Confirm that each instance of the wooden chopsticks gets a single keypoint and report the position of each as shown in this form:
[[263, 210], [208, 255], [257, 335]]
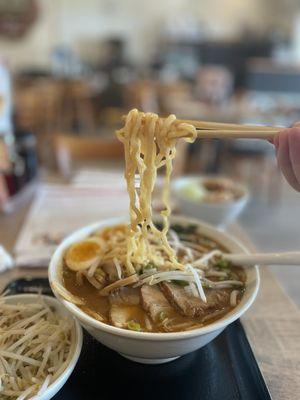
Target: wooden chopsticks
[[235, 134], [217, 130]]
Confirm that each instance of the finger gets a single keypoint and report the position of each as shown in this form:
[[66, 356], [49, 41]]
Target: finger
[[284, 160], [294, 149], [276, 137], [275, 140]]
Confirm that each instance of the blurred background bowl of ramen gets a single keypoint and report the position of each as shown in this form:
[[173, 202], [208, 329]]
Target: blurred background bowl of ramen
[[216, 200]]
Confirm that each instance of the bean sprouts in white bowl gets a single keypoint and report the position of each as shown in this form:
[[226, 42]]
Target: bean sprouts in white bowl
[[40, 343]]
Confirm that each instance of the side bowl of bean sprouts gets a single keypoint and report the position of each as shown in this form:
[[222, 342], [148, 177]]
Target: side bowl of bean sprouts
[[40, 345], [154, 347]]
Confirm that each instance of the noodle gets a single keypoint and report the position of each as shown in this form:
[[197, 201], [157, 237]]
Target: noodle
[[149, 144]]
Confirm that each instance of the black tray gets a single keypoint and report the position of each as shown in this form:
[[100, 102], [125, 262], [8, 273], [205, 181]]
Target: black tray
[[225, 369]]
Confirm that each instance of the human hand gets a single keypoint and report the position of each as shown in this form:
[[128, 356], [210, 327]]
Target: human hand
[[287, 144]]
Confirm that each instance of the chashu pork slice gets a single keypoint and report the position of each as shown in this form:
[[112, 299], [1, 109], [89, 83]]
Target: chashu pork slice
[[121, 315], [125, 296], [154, 302], [124, 306], [191, 306]]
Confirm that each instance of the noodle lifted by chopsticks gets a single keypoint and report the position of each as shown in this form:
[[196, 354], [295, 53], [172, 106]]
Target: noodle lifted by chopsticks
[[149, 144]]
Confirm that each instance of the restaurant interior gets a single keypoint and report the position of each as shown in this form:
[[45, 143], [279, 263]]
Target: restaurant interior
[[70, 71]]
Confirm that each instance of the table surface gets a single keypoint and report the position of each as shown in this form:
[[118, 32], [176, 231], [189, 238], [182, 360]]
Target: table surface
[[272, 324]]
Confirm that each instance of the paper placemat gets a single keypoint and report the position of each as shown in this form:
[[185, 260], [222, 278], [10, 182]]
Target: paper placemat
[[60, 209], [95, 177]]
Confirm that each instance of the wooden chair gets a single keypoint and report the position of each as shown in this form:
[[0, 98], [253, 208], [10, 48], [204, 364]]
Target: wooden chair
[[51, 105], [70, 149], [38, 105], [39, 109], [27, 108], [77, 106]]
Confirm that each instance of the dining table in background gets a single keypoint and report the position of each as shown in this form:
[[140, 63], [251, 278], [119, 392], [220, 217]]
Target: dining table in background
[[272, 324]]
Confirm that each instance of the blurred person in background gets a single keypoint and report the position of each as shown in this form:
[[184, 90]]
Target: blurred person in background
[[214, 84]]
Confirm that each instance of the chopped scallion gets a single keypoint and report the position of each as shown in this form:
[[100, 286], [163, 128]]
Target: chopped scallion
[[181, 283], [162, 316], [149, 266], [134, 326], [223, 264]]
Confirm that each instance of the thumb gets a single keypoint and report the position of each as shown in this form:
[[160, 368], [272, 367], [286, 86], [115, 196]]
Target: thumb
[[275, 140]]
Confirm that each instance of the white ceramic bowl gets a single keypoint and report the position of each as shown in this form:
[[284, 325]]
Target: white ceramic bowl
[[217, 214], [61, 380], [154, 348]]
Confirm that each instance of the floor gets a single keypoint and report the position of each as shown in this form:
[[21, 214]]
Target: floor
[[276, 227]]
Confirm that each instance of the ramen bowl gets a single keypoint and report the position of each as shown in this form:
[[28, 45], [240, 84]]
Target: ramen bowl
[[220, 213], [148, 347]]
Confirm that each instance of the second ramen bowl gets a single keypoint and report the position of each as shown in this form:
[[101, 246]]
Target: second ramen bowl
[[155, 348], [219, 214]]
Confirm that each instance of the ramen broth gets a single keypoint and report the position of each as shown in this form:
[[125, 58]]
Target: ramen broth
[[164, 307]]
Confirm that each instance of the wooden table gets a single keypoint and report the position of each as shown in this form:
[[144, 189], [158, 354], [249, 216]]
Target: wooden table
[[272, 324]]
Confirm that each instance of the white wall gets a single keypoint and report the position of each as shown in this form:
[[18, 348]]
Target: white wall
[[77, 22], [34, 48]]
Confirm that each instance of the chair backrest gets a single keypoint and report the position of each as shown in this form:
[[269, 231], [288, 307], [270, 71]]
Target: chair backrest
[[70, 148], [39, 105]]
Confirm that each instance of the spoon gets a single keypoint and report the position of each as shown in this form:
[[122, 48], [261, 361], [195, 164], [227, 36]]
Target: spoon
[[288, 258]]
